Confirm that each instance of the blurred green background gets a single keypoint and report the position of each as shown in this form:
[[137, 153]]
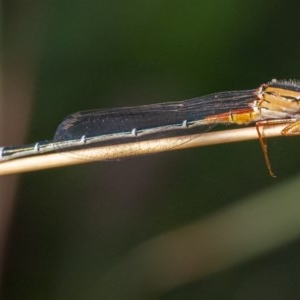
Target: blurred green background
[[73, 226]]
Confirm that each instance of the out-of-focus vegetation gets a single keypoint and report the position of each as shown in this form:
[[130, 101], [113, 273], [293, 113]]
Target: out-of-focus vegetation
[[128, 229]]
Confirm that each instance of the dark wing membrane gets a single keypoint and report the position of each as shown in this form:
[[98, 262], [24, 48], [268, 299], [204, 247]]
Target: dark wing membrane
[[142, 118]]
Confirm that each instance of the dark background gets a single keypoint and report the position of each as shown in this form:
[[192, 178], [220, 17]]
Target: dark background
[[72, 226]]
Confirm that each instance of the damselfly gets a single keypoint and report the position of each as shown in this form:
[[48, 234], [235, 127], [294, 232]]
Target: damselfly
[[277, 102]]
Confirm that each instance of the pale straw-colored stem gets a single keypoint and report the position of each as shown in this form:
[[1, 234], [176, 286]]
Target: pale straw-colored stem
[[55, 160]]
